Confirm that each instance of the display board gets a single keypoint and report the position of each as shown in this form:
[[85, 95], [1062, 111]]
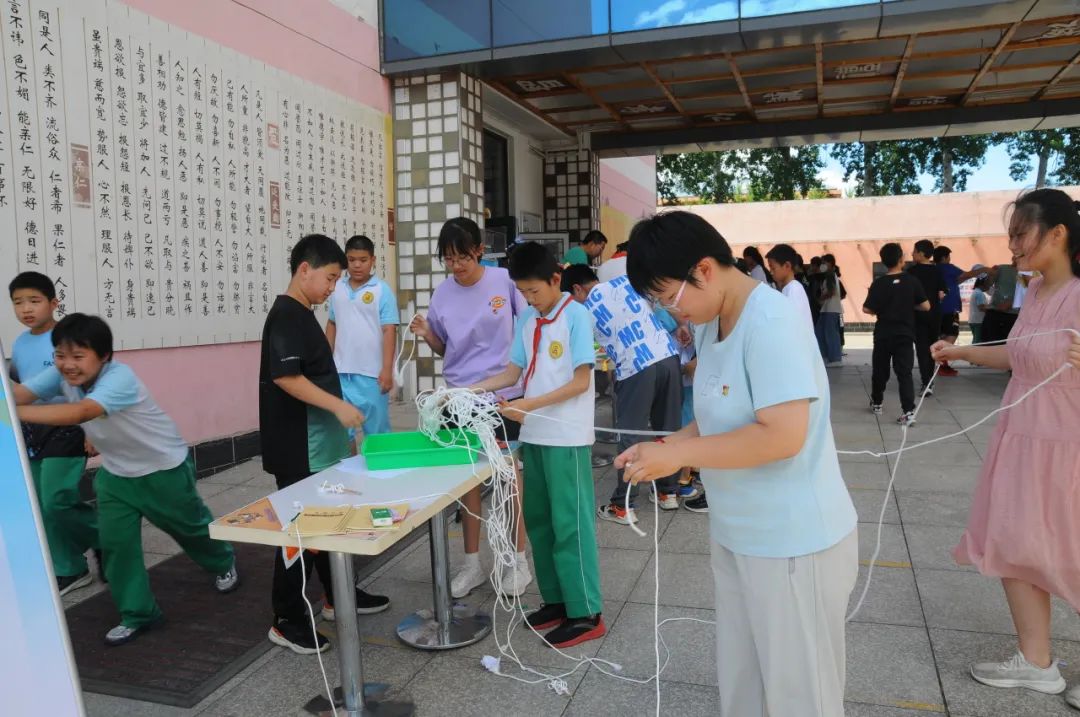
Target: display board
[[161, 179], [38, 668]]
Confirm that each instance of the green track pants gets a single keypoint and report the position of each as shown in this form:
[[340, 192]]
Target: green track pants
[[559, 501], [70, 523], [169, 501]]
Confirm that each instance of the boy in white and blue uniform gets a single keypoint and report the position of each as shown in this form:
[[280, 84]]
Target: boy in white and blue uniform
[[553, 352], [362, 331], [57, 453], [146, 472], [648, 384]]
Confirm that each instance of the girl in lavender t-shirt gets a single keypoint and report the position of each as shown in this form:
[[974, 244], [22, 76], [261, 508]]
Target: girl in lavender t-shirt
[[470, 323]]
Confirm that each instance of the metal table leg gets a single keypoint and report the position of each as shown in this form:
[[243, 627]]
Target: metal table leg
[[352, 693], [450, 625]]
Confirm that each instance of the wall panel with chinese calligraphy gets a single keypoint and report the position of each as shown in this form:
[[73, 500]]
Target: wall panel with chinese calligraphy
[[161, 179]]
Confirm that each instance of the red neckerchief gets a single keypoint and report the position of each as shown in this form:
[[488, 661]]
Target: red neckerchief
[[541, 322], [618, 255]]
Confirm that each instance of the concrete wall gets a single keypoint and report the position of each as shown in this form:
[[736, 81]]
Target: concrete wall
[[970, 223], [627, 194], [212, 391]]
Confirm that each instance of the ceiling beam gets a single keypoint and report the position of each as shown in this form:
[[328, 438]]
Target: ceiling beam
[[502, 90], [663, 88], [742, 85], [819, 69], [1058, 77], [573, 80], [1005, 37], [902, 69]]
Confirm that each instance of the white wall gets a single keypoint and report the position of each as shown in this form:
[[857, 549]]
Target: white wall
[[526, 168]]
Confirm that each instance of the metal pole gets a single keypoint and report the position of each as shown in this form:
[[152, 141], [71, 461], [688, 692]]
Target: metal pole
[[440, 575], [348, 632]]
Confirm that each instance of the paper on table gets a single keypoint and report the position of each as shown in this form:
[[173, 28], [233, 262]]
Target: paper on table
[[356, 465], [320, 521], [360, 518]]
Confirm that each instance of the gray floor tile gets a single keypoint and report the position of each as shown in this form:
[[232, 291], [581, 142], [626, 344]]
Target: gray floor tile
[[692, 645], [893, 551], [615, 535], [206, 489], [955, 651], [620, 570], [233, 498], [891, 599], [599, 694], [453, 684], [931, 546], [861, 709], [959, 600], [236, 475], [891, 666], [957, 453], [109, 706], [155, 540], [869, 475], [934, 477], [686, 533], [686, 580], [933, 507], [868, 504]]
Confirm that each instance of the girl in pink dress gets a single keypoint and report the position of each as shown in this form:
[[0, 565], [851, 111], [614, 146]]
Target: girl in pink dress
[[1023, 527]]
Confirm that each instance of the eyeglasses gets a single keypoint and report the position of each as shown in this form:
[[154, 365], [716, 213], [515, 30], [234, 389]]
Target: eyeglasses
[[674, 305], [457, 259]]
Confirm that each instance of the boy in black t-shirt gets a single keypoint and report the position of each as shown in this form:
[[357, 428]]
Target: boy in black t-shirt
[[928, 325], [303, 423], [894, 299]]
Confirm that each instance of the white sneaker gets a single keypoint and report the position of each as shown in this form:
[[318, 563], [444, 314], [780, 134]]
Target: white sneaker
[[615, 514], [516, 578], [467, 580], [1072, 697], [668, 501], [1018, 672]]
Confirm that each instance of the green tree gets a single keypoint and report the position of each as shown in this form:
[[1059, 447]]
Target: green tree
[[1053, 154], [1068, 169], [784, 172], [951, 160], [712, 177], [880, 168]]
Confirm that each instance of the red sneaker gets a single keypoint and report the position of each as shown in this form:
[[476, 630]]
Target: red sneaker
[[576, 630], [947, 370]]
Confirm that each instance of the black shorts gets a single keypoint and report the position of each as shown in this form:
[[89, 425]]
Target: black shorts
[[950, 325], [54, 441], [506, 431]]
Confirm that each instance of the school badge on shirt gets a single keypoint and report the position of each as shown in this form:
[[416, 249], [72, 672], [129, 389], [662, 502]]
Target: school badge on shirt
[[367, 297], [555, 350], [496, 303]]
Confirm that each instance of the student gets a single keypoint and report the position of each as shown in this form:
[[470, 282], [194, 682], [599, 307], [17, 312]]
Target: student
[[756, 265], [57, 453], [147, 470], [614, 266], [953, 276], [470, 323], [648, 386], [893, 299], [362, 331], [590, 248], [782, 525], [813, 287], [553, 351], [303, 425], [830, 315], [927, 324], [690, 491], [1022, 526], [783, 263], [977, 306]]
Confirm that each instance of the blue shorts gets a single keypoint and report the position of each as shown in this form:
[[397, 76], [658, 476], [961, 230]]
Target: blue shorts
[[364, 393], [687, 405]]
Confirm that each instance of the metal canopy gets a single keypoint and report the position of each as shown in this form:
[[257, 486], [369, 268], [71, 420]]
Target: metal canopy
[[871, 72]]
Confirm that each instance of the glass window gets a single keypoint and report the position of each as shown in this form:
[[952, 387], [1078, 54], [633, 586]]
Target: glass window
[[424, 28], [518, 22], [758, 8], [629, 15], [496, 175]]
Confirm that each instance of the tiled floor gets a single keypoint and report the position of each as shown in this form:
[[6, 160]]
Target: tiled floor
[[923, 621]]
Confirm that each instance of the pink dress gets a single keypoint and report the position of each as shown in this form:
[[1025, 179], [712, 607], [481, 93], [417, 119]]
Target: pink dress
[[1025, 515]]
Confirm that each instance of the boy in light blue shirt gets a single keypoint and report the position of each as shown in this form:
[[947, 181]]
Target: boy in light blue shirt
[[57, 453], [147, 470], [362, 331]]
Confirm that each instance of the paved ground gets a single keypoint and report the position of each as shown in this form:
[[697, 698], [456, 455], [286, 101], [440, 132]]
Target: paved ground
[[925, 618]]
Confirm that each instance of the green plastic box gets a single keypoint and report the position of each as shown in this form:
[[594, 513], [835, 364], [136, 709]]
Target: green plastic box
[[412, 449]]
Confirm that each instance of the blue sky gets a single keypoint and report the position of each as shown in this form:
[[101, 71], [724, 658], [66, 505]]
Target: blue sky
[[994, 175]]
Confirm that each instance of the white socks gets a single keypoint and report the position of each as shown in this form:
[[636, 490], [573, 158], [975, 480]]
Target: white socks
[[472, 560], [521, 558]]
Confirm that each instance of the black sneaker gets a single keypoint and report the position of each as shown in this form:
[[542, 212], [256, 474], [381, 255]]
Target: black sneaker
[[298, 637], [697, 505], [366, 604], [576, 630], [67, 583], [547, 616], [927, 390]]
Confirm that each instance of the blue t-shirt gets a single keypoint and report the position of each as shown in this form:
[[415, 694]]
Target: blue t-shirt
[[31, 354], [790, 507], [951, 303]]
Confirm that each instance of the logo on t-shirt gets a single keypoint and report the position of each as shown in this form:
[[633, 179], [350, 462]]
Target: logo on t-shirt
[[496, 303], [555, 350], [367, 297]]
